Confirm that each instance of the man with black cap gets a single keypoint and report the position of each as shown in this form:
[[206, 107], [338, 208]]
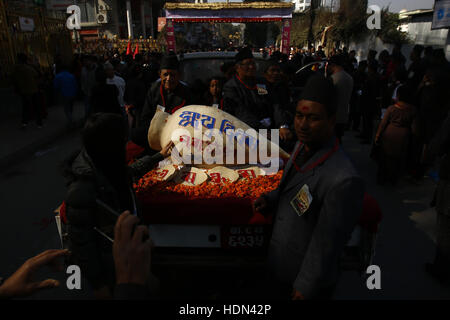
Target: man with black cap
[[247, 98], [316, 205], [169, 95]]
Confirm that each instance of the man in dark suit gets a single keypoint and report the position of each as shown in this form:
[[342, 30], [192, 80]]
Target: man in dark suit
[[316, 205], [247, 97]]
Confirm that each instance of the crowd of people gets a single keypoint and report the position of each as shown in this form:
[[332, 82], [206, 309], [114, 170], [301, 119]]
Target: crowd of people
[[401, 110]]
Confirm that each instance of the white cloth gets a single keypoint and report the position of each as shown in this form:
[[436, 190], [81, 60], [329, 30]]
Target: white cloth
[[120, 84]]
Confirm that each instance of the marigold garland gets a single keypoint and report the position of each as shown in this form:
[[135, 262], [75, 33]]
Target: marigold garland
[[149, 186]]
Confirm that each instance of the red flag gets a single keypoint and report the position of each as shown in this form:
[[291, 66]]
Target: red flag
[[129, 48], [136, 51]]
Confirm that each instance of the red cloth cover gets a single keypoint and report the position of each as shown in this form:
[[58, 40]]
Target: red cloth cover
[[133, 150]]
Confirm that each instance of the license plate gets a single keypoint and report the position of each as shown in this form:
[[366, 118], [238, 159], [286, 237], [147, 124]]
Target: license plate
[[244, 237]]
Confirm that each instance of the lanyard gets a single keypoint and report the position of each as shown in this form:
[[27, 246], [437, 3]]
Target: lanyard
[[249, 88], [164, 100], [316, 163]]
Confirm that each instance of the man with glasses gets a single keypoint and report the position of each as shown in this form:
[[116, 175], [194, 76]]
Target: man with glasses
[[247, 97]]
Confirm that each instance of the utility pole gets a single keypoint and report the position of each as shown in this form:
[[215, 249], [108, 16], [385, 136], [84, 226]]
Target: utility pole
[[129, 20]]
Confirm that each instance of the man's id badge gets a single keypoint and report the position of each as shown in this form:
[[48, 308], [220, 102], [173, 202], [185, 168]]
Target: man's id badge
[[262, 90], [302, 200], [160, 108]]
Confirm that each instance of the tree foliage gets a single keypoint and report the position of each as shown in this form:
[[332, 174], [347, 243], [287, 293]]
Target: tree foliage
[[389, 32], [350, 21], [348, 24]]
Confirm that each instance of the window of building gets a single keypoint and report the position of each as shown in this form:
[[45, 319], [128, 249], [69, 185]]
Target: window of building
[[87, 10]]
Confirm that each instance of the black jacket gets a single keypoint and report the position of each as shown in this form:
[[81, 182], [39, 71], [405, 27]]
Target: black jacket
[[440, 148], [283, 109], [247, 103], [86, 184], [179, 98], [104, 99]]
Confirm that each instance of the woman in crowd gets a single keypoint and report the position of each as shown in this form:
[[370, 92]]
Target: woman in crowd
[[394, 135], [214, 95]]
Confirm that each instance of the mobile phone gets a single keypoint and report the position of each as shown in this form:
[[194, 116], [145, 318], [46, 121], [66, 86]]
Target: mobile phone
[[115, 215]]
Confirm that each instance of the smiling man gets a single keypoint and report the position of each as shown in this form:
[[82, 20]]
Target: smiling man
[[169, 93], [316, 205]]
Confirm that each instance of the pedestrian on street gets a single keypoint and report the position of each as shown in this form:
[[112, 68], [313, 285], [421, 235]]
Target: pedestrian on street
[[65, 84], [135, 93], [433, 108], [112, 78], [26, 83], [370, 103], [356, 103], [316, 205], [343, 83], [88, 82], [416, 70], [104, 97], [440, 148], [394, 136]]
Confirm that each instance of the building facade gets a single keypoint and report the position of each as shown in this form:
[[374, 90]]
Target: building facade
[[301, 5], [417, 24], [109, 18]]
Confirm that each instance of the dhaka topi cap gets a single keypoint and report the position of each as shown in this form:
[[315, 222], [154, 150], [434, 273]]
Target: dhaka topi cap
[[244, 53], [321, 90], [170, 61]]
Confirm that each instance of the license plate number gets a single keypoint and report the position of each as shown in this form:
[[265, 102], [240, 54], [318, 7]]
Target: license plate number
[[243, 237]]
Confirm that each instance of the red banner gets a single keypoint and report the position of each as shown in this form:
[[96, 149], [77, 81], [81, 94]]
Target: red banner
[[170, 36], [286, 36]]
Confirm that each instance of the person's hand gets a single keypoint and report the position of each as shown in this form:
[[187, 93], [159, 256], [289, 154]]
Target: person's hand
[[377, 141], [21, 283], [132, 255], [285, 134], [296, 295], [260, 204], [167, 150]]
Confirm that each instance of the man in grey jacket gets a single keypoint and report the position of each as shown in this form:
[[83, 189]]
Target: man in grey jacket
[[343, 83], [316, 205]]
